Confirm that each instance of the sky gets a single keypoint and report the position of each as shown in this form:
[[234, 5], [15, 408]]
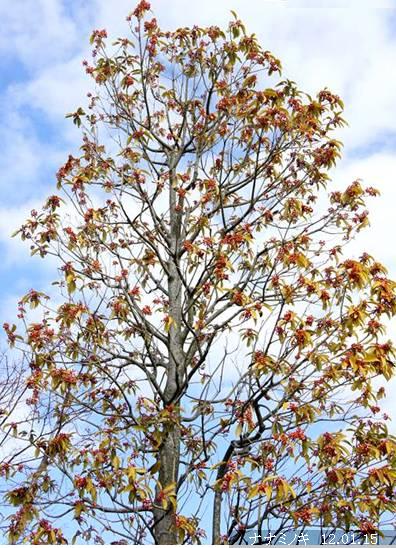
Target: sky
[[346, 45]]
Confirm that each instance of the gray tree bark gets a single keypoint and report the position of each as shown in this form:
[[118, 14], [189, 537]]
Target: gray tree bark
[[169, 454]]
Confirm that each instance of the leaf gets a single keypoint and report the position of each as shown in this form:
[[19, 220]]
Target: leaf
[[268, 491], [79, 508], [115, 461], [168, 321], [154, 469]]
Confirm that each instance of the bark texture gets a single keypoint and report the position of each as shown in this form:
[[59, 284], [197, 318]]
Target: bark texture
[[169, 454]]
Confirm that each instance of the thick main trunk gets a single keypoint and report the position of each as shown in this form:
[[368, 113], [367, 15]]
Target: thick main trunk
[[216, 520], [165, 519], [169, 454], [218, 498]]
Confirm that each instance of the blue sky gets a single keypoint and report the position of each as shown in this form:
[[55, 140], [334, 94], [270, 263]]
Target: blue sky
[[346, 45]]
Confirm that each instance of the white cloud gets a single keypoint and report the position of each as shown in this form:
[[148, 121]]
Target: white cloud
[[36, 32], [56, 91], [377, 170]]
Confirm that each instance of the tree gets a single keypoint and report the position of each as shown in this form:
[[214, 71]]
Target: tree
[[208, 359], [12, 392]]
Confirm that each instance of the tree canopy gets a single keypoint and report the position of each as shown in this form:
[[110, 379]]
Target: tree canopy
[[208, 360]]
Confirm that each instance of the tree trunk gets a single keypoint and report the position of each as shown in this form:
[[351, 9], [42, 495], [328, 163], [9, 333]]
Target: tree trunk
[[169, 454], [165, 522], [216, 520]]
